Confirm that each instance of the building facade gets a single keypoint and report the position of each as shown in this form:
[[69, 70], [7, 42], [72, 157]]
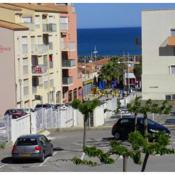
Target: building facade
[[33, 33], [158, 54]]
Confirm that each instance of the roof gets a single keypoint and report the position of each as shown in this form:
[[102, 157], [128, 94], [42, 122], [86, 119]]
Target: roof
[[10, 7], [36, 7], [171, 41], [59, 8], [31, 136], [12, 26]]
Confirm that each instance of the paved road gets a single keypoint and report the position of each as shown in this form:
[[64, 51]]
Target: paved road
[[68, 144]]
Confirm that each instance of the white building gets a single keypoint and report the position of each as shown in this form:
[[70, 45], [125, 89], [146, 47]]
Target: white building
[[158, 54]]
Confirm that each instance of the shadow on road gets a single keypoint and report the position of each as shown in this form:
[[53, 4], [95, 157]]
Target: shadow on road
[[9, 160]]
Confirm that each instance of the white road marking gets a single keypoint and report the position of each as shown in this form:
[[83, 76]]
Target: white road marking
[[42, 164], [1, 166]]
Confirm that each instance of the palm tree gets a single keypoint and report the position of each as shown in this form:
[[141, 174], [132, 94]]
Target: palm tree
[[86, 108]]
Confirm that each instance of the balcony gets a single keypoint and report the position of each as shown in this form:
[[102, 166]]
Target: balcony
[[67, 81], [51, 27], [39, 70], [31, 26], [71, 46], [39, 49], [66, 64]]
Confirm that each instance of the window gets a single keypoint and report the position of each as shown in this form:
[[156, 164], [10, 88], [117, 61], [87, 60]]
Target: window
[[26, 141], [27, 19], [25, 66], [172, 70]]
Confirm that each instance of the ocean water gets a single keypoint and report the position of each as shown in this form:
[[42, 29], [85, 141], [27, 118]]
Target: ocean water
[[109, 41]]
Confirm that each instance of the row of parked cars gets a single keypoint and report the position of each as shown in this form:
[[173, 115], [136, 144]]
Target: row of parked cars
[[17, 113]]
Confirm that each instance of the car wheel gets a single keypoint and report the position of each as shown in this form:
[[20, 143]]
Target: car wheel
[[42, 158], [117, 135]]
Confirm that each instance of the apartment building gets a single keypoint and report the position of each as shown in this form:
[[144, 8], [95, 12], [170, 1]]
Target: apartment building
[[71, 81], [30, 56], [158, 54]]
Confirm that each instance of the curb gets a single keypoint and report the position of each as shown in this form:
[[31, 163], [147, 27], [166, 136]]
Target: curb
[[78, 129]]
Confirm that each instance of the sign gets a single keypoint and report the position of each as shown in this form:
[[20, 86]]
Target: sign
[[4, 49]]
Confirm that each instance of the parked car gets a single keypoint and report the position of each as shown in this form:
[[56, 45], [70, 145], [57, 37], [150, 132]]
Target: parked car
[[124, 126], [170, 121], [15, 113], [46, 106], [32, 146], [28, 110]]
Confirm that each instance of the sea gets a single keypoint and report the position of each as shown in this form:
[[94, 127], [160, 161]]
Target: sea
[[109, 41]]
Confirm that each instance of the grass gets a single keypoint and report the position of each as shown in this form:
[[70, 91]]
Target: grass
[[2, 145]]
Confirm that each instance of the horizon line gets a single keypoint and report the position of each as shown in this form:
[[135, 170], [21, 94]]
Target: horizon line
[[110, 27]]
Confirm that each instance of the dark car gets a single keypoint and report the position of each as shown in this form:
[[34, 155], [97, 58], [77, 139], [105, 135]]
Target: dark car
[[46, 106], [32, 146], [15, 113], [124, 126]]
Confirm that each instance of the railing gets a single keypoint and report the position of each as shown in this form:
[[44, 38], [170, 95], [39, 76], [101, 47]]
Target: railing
[[39, 49], [31, 26], [67, 80], [24, 48], [68, 46], [68, 63], [49, 27], [39, 69], [63, 27]]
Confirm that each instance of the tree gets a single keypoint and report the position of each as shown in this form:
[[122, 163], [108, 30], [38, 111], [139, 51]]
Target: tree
[[157, 144], [113, 70], [135, 108], [86, 108], [138, 145], [138, 71], [145, 109]]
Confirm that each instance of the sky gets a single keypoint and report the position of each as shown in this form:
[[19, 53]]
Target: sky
[[107, 15]]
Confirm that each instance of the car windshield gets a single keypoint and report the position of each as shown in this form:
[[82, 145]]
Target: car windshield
[[26, 141]]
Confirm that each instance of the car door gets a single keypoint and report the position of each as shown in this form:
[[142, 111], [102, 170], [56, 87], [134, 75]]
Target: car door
[[48, 144], [44, 145], [126, 127]]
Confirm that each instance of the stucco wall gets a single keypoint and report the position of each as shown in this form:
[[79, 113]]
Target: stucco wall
[[7, 70], [156, 80]]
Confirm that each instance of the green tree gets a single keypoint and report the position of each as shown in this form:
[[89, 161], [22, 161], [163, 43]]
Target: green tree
[[138, 145], [114, 69], [138, 71], [135, 108], [86, 108]]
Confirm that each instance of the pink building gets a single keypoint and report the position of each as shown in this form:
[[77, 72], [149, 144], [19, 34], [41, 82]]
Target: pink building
[[71, 81]]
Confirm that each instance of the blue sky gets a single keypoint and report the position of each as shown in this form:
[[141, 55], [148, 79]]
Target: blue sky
[[106, 15]]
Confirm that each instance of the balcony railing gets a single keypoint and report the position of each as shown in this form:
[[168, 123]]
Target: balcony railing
[[49, 27], [71, 46], [24, 48], [67, 81], [68, 63], [39, 69], [63, 27], [31, 26], [39, 49]]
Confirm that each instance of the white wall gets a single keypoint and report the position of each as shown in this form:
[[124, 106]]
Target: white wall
[[20, 126], [156, 28]]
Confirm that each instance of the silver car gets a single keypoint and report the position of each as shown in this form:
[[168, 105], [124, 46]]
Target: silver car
[[32, 146]]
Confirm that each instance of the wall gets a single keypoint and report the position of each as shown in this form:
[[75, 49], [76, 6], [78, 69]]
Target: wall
[[7, 70], [156, 28]]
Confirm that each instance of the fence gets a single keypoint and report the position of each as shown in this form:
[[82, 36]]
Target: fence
[[43, 119]]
